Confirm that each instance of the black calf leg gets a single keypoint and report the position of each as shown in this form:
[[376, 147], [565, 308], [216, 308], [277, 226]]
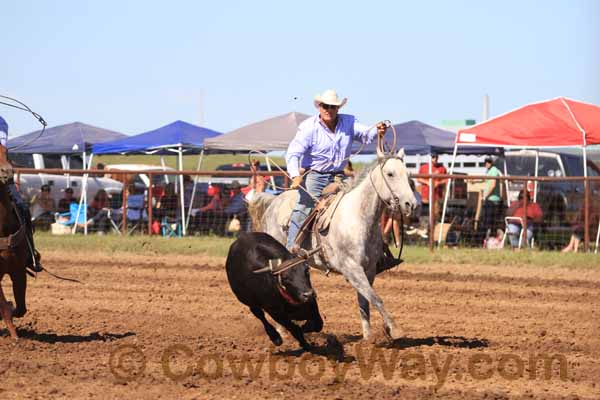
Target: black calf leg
[[293, 329], [271, 331], [315, 322]]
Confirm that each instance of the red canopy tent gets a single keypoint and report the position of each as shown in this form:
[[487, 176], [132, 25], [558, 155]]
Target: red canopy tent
[[560, 122]]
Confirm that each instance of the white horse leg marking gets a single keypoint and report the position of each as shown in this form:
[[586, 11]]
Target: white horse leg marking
[[365, 315], [357, 278]]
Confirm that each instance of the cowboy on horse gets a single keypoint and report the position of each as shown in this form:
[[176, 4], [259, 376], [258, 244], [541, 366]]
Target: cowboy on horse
[[21, 207], [322, 147]]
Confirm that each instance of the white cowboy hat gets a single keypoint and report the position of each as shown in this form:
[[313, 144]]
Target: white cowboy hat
[[329, 97]]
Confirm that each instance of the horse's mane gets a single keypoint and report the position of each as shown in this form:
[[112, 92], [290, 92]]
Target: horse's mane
[[364, 173]]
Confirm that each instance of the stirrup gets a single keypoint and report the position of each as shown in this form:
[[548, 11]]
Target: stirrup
[[386, 263], [36, 265], [296, 249]]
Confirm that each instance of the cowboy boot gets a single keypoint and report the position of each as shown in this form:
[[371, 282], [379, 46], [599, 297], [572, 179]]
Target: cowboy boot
[[33, 256], [387, 260]]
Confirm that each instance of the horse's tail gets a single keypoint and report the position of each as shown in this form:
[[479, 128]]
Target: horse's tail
[[257, 207]]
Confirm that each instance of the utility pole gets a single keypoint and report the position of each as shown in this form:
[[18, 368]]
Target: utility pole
[[201, 109], [486, 108]]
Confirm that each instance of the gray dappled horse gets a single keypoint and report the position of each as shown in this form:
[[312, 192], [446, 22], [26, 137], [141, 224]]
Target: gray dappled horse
[[353, 243]]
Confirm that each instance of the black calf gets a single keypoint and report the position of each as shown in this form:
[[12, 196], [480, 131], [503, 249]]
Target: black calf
[[286, 297]]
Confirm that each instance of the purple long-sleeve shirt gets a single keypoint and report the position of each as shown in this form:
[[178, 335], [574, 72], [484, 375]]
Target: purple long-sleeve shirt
[[316, 147]]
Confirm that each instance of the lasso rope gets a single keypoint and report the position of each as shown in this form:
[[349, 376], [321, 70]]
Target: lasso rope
[[24, 107]]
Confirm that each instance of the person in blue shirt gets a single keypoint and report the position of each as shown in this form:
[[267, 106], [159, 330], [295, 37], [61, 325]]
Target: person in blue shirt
[[237, 204], [33, 256], [322, 147]]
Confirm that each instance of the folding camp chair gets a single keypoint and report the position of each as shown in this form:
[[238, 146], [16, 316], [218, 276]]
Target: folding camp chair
[[137, 216], [170, 227], [71, 219]]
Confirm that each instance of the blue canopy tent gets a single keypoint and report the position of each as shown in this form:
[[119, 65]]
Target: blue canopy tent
[[74, 138], [70, 139], [177, 138], [417, 137], [162, 141]]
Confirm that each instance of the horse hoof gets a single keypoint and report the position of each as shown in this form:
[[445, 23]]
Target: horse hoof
[[391, 333], [306, 346], [312, 326], [18, 313], [277, 341]]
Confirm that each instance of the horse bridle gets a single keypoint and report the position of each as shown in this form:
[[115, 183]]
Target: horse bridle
[[392, 205]]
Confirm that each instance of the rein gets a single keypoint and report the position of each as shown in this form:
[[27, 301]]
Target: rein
[[60, 277]]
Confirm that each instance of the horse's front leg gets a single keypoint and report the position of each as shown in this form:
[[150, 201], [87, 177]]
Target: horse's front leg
[[364, 309], [355, 274], [19, 284], [7, 312]]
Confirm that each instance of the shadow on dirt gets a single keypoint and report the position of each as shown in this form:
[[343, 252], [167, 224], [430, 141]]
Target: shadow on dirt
[[56, 338], [448, 341], [333, 349]]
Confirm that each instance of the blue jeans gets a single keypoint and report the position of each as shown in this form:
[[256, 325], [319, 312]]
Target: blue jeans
[[514, 230], [314, 182]]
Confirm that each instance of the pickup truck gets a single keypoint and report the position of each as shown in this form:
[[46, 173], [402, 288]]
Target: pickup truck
[[30, 184], [562, 202]]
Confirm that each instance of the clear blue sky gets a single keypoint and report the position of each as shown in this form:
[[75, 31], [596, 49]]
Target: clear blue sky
[[133, 66]]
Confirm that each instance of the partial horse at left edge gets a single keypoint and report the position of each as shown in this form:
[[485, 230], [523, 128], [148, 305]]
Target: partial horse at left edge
[[13, 252]]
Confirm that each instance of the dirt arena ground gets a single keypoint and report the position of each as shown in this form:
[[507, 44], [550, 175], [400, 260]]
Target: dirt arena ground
[[169, 327]]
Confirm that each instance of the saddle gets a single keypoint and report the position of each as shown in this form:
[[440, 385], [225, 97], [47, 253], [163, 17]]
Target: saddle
[[319, 219], [13, 240]]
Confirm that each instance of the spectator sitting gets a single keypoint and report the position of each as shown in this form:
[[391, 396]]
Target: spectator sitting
[[209, 217], [188, 193], [167, 205], [577, 233], [576, 237], [100, 167], [98, 210], [215, 203], [43, 208], [237, 205], [64, 204], [517, 209]]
